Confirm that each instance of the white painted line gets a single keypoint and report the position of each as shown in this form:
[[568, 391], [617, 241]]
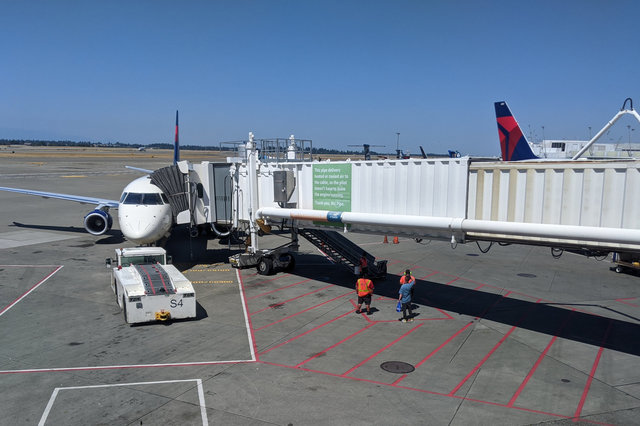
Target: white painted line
[[175, 364], [246, 316], [54, 395], [203, 408], [29, 291]]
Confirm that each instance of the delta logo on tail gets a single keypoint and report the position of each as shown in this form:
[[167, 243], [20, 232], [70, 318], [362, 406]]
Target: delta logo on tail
[[513, 143]]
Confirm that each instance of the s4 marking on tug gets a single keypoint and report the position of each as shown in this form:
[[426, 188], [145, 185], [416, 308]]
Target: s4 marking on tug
[[149, 289]]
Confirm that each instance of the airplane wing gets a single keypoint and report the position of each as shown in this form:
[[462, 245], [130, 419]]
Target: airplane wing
[[76, 198], [139, 169]]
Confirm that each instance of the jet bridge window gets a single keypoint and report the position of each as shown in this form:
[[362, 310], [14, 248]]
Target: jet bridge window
[[148, 199]]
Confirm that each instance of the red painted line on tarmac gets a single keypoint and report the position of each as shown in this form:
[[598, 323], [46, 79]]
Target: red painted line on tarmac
[[591, 374], [375, 382], [25, 294], [326, 373], [518, 391], [484, 359], [436, 350], [627, 303], [488, 355], [363, 312], [306, 332], [305, 310], [267, 281], [291, 300], [428, 275], [533, 370], [324, 351], [364, 361], [278, 289]]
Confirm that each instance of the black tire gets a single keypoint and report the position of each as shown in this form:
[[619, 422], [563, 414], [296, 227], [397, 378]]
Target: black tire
[[265, 266], [619, 269]]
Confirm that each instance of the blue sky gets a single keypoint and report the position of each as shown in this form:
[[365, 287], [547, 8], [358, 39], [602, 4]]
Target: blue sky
[[336, 72]]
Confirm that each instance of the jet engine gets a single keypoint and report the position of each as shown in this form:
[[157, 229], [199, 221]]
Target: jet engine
[[98, 222]]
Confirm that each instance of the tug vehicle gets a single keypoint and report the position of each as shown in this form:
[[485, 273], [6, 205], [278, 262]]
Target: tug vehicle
[[147, 288]]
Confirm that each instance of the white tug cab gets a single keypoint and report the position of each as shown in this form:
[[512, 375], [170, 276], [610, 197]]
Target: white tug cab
[[147, 288]]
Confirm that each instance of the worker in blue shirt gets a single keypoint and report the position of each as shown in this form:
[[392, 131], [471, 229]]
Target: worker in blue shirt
[[404, 297]]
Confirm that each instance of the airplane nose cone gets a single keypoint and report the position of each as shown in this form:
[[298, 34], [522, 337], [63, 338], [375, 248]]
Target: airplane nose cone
[[141, 225]]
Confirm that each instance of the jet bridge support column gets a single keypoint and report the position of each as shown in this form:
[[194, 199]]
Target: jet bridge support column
[[252, 175]]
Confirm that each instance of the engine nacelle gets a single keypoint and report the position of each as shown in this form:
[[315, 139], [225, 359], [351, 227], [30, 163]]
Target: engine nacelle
[[98, 222]]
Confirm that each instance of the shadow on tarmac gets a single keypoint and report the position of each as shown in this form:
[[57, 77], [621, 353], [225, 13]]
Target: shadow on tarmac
[[541, 317]]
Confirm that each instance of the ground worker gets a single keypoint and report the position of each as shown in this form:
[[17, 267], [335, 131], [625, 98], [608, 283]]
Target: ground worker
[[364, 266], [364, 288], [408, 278], [405, 295]]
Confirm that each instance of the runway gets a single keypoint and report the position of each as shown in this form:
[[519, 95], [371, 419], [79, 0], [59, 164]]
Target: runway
[[512, 336]]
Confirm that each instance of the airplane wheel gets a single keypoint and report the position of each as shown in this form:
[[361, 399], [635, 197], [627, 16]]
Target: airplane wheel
[[265, 266]]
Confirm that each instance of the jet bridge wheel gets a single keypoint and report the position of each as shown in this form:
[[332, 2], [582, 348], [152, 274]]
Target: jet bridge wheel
[[265, 266]]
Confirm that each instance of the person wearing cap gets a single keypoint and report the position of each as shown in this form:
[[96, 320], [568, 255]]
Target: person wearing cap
[[405, 295]]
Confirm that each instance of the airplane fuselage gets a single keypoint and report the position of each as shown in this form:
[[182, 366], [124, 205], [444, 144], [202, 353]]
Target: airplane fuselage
[[144, 213]]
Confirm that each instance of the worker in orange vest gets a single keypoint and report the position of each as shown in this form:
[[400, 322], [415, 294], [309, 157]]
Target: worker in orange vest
[[364, 288]]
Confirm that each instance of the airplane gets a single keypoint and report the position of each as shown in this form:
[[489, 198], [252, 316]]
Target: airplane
[[513, 143], [515, 147], [144, 212]]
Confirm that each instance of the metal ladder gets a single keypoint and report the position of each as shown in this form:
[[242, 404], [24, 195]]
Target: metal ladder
[[343, 251]]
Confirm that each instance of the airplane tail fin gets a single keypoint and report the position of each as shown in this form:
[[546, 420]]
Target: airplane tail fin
[[176, 146], [513, 143]]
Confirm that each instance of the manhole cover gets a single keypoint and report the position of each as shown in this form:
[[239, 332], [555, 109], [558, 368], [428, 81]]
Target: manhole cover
[[527, 275], [397, 367]]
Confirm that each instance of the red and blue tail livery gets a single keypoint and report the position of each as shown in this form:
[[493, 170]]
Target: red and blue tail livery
[[176, 145], [513, 143]]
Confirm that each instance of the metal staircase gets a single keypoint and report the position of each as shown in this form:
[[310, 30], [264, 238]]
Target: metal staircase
[[343, 251]]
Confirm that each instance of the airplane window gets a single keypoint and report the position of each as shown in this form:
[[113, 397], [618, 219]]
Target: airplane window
[[124, 195], [133, 198], [147, 199], [153, 198], [164, 198]]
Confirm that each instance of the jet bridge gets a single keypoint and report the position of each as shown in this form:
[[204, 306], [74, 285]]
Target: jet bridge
[[580, 205]]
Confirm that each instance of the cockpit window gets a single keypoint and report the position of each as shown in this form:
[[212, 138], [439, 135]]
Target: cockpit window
[[133, 198], [152, 199], [124, 195], [164, 198], [147, 198]]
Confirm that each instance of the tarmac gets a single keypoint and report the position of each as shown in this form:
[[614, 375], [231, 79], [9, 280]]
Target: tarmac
[[513, 336]]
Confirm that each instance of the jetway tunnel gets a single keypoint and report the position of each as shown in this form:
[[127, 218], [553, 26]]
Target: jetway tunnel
[[590, 206]]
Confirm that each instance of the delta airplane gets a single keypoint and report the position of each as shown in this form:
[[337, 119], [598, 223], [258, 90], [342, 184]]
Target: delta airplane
[[513, 143], [144, 212], [515, 147]]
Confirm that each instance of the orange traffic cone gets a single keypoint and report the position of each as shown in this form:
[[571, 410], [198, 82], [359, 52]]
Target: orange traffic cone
[[385, 241], [395, 240]]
